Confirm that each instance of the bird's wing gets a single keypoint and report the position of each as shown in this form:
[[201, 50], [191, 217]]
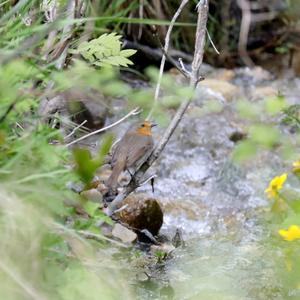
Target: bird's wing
[[120, 149], [139, 151]]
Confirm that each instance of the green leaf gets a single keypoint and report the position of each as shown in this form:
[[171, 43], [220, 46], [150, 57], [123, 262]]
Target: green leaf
[[249, 110], [117, 61], [106, 50], [275, 105], [244, 151], [91, 208], [264, 135], [85, 166], [127, 52]]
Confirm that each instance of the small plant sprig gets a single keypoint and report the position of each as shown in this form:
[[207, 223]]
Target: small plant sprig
[[106, 50]]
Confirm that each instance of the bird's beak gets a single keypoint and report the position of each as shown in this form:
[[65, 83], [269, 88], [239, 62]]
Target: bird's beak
[[153, 125]]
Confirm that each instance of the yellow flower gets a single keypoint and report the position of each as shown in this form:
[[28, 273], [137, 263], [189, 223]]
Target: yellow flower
[[293, 233], [296, 166], [275, 185]]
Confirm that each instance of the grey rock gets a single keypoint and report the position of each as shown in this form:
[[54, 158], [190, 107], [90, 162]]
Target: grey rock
[[124, 234]]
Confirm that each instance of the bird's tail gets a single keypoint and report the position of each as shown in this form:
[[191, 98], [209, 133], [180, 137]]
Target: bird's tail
[[112, 181]]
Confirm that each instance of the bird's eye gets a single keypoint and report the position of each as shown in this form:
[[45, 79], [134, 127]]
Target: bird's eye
[[143, 125]]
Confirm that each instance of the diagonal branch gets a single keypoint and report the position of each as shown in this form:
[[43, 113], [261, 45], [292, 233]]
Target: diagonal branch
[[165, 50], [194, 79], [244, 31], [134, 112]]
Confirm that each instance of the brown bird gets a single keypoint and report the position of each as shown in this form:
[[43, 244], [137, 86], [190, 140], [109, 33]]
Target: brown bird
[[131, 151]]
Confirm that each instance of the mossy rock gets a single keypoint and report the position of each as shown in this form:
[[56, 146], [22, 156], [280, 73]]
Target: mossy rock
[[142, 213]]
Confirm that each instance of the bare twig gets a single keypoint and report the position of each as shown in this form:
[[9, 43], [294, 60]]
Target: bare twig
[[20, 126], [100, 238], [75, 129], [182, 66], [194, 79], [131, 113], [179, 67], [156, 54], [121, 208], [8, 110], [244, 31], [66, 35], [60, 51], [212, 43], [163, 60], [141, 16]]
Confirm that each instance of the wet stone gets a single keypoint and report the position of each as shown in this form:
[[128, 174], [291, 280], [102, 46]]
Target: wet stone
[[92, 195], [124, 234], [142, 213], [226, 89], [164, 249]]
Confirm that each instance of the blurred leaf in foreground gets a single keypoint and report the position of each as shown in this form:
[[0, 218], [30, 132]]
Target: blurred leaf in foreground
[[86, 166]]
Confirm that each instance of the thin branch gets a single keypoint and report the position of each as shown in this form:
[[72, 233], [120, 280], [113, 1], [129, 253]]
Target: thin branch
[[244, 32], [67, 33], [194, 79], [181, 67], [20, 126], [8, 110], [212, 43], [141, 16], [163, 60], [121, 209], [50, 12], [131, 113], [99, 238], [75, 129], [60, 50], [156, 53]]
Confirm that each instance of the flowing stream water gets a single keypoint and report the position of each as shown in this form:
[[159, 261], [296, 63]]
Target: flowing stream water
[[219, 205]]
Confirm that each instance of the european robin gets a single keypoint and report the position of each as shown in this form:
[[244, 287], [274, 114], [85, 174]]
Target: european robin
[[131, 151]]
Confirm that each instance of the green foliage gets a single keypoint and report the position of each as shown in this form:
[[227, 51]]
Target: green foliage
[[85, 78], [245, 150], [292, 115], [248, 110], [284, 49], [160, 255], [96, 214], [40, 235], [285, 201], [86, 165], [276, 105], [46, 229], [263, 134], [106, 50]]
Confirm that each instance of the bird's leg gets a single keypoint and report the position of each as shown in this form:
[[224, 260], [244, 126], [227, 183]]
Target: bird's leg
[[151, 179], [109, 195], [152, 184], [107, 160], [131, 175]]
